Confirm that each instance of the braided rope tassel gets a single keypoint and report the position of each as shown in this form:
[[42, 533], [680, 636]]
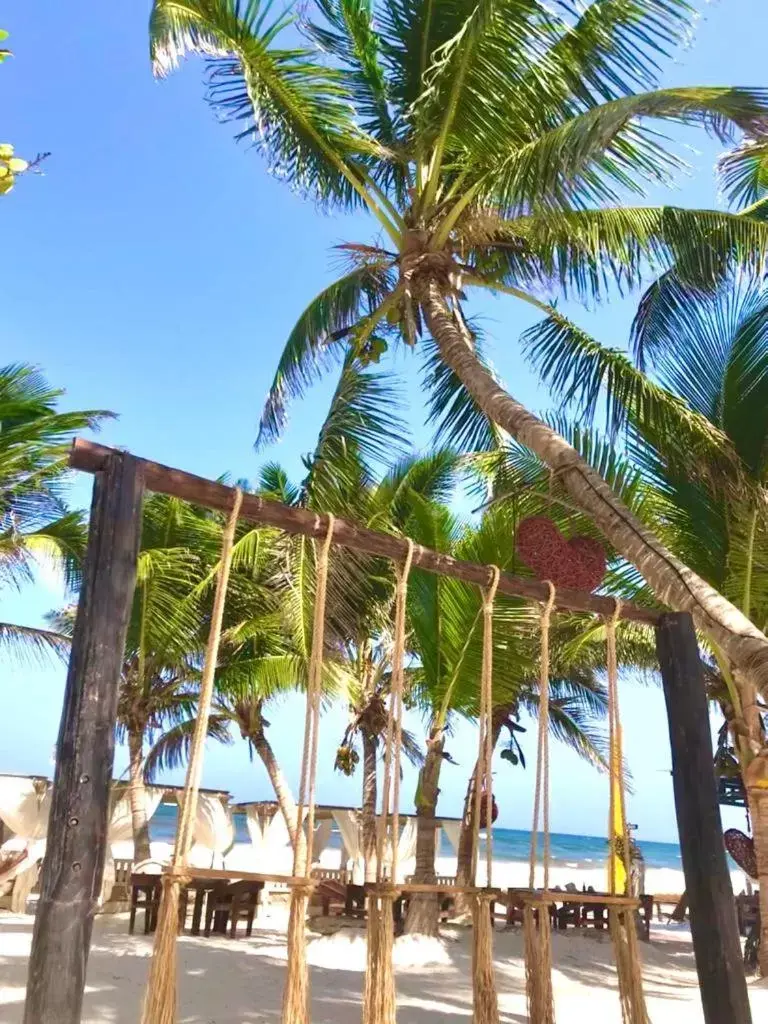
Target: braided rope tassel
[[296, 992], [536, 924], [484, 995], [161, 994], [379, 998], [621, 920]]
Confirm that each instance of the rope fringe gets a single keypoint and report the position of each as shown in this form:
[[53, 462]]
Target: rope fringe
[[379, 998], [161, 995], [296, 992], [621, 922], [538, 963], [484, 996], [536, 924]]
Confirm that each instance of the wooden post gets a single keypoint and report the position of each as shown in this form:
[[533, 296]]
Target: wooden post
[[716, 941], [77, 829]]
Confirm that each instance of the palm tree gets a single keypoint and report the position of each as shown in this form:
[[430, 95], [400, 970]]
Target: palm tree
[[710, 352], [35, 524], [160, 676], [445, 621], [361, 434], [491, 143]]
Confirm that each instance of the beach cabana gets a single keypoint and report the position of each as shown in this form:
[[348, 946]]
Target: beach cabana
[[269, 837]]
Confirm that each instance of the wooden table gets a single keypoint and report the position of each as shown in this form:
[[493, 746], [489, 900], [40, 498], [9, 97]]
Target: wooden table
[[202, 881]]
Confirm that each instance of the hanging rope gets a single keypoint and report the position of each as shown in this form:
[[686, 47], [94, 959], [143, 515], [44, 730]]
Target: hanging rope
[[296, 992], [536, 924], [621, 920], [485, 999], [379, 999], [160, 998]]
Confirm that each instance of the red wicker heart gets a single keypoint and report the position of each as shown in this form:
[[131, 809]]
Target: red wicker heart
[[578, 563], [742, 849]]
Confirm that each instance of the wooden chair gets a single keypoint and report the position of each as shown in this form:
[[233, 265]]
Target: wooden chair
[[145, 895], [229, 903], [121, 886]]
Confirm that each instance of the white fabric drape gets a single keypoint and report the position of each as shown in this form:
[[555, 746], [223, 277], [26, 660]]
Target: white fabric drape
[[120, 820], [120, 829], [214, 832], [406, 849], [349, 826], [321, 837], [452, 831], [25, 805]]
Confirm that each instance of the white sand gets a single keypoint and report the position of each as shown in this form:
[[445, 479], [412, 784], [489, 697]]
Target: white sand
[[239, 982]]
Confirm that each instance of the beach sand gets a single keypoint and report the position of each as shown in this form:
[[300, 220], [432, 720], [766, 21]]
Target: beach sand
[[239, 982]]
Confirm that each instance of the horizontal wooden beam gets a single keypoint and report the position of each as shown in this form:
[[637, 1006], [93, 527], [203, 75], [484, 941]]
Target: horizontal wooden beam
[[92, 458]]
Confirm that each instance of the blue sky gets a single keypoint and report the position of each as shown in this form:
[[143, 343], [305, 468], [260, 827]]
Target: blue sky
[[155, 270]]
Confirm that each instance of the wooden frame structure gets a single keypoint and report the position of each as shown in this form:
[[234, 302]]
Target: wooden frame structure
[[75, 852]]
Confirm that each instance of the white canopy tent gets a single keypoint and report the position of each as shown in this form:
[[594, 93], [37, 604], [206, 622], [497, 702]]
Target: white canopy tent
[[270, 842]]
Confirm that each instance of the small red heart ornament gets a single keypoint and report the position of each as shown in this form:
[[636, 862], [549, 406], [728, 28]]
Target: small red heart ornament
[[578, 563], [742, 849]]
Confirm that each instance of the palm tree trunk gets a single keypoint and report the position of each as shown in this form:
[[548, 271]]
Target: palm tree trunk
[[282, 790], [369, 805], [139, 820], [758, 809], [464, 853], [424, 910], [672, 581]]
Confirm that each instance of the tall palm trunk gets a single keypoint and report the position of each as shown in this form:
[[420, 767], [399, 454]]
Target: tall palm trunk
[[672, 581], [758, 807], [282, 790], [748, 745], [139, 820], [464, 853], [369, 805], [424, 911]]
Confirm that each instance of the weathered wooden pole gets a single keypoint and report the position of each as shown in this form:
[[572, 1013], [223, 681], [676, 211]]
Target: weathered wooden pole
[[716, 941], [77, 829]]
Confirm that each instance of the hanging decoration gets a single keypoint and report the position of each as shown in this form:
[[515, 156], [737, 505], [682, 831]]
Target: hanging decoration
[[296, 991], [379, 997], [578, 563], [485, 999], [536, 924], [621, 920], [160, 1000]]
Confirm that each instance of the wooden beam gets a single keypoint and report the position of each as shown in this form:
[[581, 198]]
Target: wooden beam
[[77, 828], [716, 941], [91, 457]]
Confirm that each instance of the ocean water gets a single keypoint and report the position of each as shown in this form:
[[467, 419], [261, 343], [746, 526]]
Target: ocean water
[[509, 844]]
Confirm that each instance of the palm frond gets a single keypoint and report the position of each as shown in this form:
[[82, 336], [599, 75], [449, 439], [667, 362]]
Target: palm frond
[[25, 645], [586, 252], [171, 750], [296, 110], [582, 371], [457, 419], [604, 151], [315, 343], [744, 172]]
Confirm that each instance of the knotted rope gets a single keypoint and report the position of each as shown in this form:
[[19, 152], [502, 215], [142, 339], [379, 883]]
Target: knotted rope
[[621, 920], [160, 998], [536, 924], [296, 992], [379, 1000], [485, 1000]]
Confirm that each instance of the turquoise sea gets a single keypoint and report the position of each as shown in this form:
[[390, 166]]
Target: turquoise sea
[[509, 844]]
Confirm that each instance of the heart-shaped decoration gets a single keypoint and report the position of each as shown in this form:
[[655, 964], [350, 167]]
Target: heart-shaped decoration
[[742, 849], [578, 563]]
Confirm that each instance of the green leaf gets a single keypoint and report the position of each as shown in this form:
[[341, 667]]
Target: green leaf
[[316, 341], [295, 110], [581, 371], [599, 153]]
